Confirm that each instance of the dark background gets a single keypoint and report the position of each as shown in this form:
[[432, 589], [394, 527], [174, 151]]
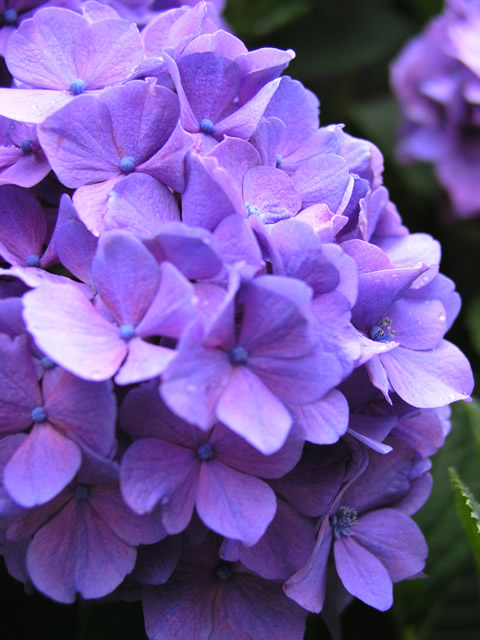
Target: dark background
[[344, 48]]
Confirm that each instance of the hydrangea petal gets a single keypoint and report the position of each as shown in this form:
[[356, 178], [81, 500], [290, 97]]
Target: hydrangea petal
[[52, 461]]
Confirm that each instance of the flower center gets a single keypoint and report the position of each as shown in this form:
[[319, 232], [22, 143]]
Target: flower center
[[238, 355], [206, 126], [33, 260], [127, 164], [224, 571], [342, 521], [382, 331], [205, 451], [82, 491], [38, 414], [278, 160], [26, 146], [127, 331], [77, 86]]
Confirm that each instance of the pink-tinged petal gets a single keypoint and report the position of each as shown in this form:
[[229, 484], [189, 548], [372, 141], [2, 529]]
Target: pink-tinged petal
[[272, 191], [32, 105], [394, 539], [84, 411], [78, 552], [83, 342], [18, 381], [324, 421], [140, 204], [52, 462], [324, 179], [428, 379], [78, 142], [234, 504], [126, 276], [128, 525], [144, 362], [362, 574], [308, 585], [33, 278], [368, 256], [108, 52], [233, 451], [40, 52], [253, 412], [23, 225], [285, 547], [91, 202], [193, 383], [154, 471]]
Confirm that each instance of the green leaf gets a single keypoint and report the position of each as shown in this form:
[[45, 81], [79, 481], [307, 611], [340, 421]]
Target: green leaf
[[469, 511]]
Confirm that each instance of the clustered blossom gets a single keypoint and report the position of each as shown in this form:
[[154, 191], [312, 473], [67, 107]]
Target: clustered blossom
[[223, 365], [436, 79]]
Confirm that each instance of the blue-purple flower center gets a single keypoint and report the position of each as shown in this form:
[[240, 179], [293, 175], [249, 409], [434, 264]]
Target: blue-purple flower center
[[33, 260], [82, 491], [205, 451], [278, 160], [343, 521], [77, 86], [206, 126], [238, 355], [127, 164], [224, 571], [382, 331], [127, 331], [38, 414], [253, 210], [26, 146], [10, 16], [47, 363]]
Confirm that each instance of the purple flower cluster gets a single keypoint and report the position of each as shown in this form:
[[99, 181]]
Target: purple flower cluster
[[223, 365], [436, 79]]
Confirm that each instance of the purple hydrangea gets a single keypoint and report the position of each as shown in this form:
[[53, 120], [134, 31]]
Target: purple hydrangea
[[231, 280], [436, 79]]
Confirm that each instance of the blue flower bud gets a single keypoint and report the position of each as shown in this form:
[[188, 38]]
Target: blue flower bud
[[127, 164], [77, 86]]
